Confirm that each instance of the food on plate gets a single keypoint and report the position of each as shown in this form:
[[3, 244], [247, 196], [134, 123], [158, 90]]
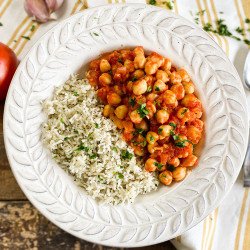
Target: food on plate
[[8, 65], [90, 146], [154, 105]]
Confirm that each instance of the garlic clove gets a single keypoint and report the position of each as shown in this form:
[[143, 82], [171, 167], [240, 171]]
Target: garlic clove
[[38, 9], [53, 5]]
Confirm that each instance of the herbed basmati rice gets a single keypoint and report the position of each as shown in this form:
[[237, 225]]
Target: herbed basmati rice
[[90, 146]]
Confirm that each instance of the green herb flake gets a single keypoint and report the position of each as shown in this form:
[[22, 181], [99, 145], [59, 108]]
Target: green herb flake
[[164, 2], [120, 176], [151, 138], [180, 144], [113, 172], [26, 37], [173, 125], [247, 20], [134, 79], [1, 24], [76, 131], [32, 28], [164, 175], [76, 94], [158, 165], [139, 131], [132, 102], [157, 88], [142, 111], [121, 167], [160, 130], [61, 120], [175, 137], [55, 156], [93, 156], [114, 149], [207, 27], [152, 2], [221, 12], [66, 138], [170, 6], [240, 31], [197, 20], [100, 178], [96, 34], [185, 111], [126, 155], [111, 72], [149, 89], [96, 125], [247, 41], [120, 60], [171, 168], [14, 41]]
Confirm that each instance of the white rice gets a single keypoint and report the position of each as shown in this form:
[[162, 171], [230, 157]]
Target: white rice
[[74, 114]]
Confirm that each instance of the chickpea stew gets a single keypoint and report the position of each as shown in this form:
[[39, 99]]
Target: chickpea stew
[[155, 106]]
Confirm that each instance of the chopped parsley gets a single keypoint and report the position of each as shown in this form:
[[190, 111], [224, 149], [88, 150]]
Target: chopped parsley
[[126, 155], [121, 167], [152, 2], [61, 120], [222, 28], [160, 130], [180, 144], [120, 176], [1, 24], [76, 131], [173, 125], [132, 102], [76, 94], [120, 60], [197, 20], [32, 28], [66, 138], [158, 165], [114, 149], [96, 125], [170, 6], [240, 31], [247, 41], [207, 27], [221, 12], [139, 131], [142, 111], [134, 79], [100, 178], [55, 156], [96, 34], [81, 147], [200, 12], [93, 156], [25, 37], [157, 88], [113, 172], [148, 89], [185, 111], [171, 168], [143, 143], [175, 137], [247, 20], [164, 175], [111, 72], [151, 138]]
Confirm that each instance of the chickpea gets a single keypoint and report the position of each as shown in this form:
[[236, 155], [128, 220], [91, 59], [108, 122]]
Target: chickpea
[[159, 86], [165, 131], [190, 100], [139, 87], [93, 77], [152, 137], [175, 78], [129, 65], [105, 78], [112, 116], [118, 90], [174, 162], [152, 97], [169, 97], [166, 65], [193, 134], [182, 113], [156, 58], [179, 174], [166, 177], [118, 123], [150, 68], [162, 116], [184, 75], [107, 110], [142, 125], [179, 91], [189, 161], [138, 74], [113, 98], [139, 61], [135, 117], [139, 50], [150, 165], [151, 110], [162, 75], [105, 65], [139, 150], [121, 111], [95, 65], [189, 87], [130, 86], [151, 148]]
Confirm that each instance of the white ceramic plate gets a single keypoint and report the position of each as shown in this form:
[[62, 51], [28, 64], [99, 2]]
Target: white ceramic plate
[[68, 48]]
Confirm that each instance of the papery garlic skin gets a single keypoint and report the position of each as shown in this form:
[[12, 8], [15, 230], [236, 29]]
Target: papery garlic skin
[[53, 5]]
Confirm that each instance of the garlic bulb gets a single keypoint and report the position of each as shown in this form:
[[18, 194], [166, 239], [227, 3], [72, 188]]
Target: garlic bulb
[[41, 9]]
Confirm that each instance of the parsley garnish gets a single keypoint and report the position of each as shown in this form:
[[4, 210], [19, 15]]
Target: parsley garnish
[[61, 120], [126, 155], [139, 131], [247, 20], [66, 138], [197, 20], [75, 131], [240, 31], [113, 172], [158, 165], [93, 156], [207, 27], [134, 79], [185, 111], [114, 149], [76, 94], [32, 28], [120, 60], [100, 178], [160, 130], [164, 175], [121, 167], [132, 102], [247, 41], [96, 34], [152, 2], [25, 37], [180, 144], [81, 147], [120, 176], [175, 137], [1, 24], [151, 138], [96, 125], [55, 156], [171, 168], [148, 89], [142, 111], [173, 125], [170, 6], [157, 88]]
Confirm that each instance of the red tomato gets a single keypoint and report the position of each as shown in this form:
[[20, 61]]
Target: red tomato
[[8, 65]]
